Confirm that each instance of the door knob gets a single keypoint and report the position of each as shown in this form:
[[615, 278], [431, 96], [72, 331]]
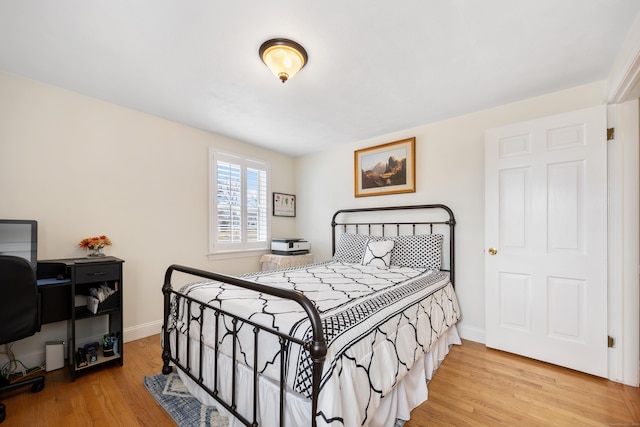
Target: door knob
[[492, 251]]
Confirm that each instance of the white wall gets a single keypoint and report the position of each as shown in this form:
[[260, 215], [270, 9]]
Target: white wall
[[449, 170], [83, 167]]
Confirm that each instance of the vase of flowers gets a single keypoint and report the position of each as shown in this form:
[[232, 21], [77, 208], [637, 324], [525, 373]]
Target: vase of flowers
[[95, 245]]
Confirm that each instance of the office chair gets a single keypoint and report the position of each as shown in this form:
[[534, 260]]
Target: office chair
[[19, 313]]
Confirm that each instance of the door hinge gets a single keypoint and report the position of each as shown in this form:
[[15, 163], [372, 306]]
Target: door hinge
[[610, 133], [611, 342]]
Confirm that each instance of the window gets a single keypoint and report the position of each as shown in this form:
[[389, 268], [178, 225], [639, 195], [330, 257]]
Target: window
[[239, 203]]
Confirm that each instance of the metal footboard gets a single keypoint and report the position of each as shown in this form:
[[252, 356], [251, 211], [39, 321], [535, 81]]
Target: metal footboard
[[316, 346]]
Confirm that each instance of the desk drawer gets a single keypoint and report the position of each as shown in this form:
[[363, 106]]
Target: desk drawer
[[97, 273]]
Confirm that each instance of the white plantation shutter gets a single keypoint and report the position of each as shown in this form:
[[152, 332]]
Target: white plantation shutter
[[239, 203], [229, 198], [256, 204]]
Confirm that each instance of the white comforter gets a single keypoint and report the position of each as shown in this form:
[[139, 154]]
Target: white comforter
[[378, 324]]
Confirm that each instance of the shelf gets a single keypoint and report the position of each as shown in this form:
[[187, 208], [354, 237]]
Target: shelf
[[84, 313], [95, 274], [101, 359], [109, 305], [68, 301]]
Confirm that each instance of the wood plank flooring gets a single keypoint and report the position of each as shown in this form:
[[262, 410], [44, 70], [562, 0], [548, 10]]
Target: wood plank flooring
[[475, 386]]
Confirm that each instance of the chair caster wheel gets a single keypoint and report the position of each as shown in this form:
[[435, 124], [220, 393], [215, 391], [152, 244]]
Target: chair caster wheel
[[37, 387]]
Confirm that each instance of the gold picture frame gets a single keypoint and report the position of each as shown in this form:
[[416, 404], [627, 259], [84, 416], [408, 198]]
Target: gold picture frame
[[386, 169]]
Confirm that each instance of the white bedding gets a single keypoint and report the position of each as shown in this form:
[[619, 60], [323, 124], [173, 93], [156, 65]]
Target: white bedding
[[379, 323]]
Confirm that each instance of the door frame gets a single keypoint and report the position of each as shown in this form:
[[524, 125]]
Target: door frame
[[624, 238], [624, 208]]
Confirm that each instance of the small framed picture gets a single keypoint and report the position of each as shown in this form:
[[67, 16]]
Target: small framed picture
[[386, 169], [284, 204]]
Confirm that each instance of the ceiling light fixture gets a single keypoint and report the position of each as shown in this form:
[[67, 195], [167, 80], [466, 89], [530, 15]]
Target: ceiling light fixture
[[283, 57]]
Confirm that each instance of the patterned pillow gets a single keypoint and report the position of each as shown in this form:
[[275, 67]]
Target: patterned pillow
[[378, 253], [350, 247], [418, 251]]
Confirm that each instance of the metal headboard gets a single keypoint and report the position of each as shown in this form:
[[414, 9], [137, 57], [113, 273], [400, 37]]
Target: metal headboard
[[366, 227]]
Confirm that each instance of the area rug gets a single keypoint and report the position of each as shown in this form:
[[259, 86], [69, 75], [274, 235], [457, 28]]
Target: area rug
[[186, 410]]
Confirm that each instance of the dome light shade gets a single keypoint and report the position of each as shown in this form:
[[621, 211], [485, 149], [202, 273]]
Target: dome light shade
[[283, 57]]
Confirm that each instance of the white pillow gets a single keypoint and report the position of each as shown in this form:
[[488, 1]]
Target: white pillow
[[378, 253]]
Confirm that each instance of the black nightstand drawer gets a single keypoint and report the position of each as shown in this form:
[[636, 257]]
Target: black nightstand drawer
[[97, 273]]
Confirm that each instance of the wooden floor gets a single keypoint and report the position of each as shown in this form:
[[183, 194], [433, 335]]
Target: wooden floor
[[474, 386], [477, 386]]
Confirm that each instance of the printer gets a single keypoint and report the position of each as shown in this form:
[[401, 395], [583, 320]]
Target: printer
[[289, 246]]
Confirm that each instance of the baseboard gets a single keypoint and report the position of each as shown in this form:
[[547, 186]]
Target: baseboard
[[471, 333], [142, 331], [152, 328]]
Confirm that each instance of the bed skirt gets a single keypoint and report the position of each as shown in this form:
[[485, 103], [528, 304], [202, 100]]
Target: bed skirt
[[394, 409]]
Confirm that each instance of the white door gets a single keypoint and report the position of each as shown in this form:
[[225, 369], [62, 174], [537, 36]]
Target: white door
[[546, 239]]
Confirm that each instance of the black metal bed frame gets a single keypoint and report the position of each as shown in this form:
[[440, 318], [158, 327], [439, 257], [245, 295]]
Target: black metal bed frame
[[316, 346]]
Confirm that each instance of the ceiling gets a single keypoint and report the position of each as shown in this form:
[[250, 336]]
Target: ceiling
[[375, 66]]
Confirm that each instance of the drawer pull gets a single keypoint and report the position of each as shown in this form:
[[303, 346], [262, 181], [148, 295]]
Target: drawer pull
[[99, 273]]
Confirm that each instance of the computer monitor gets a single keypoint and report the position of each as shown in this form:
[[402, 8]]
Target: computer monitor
[[19, 237]]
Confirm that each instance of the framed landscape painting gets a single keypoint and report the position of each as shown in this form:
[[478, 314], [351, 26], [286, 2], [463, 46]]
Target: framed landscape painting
[[386, 169]]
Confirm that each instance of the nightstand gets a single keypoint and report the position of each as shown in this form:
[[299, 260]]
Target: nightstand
[[275, 262]]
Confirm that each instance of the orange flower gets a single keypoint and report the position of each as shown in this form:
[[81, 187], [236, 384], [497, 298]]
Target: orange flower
[[95, 242]]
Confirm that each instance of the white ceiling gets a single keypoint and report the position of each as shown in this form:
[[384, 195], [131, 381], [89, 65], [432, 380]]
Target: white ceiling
[[374, 67]]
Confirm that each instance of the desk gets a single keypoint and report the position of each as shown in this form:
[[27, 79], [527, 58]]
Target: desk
[[55, 299], [61, 280], [274, 262]]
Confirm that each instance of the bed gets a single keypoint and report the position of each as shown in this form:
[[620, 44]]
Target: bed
[[348, 342]]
